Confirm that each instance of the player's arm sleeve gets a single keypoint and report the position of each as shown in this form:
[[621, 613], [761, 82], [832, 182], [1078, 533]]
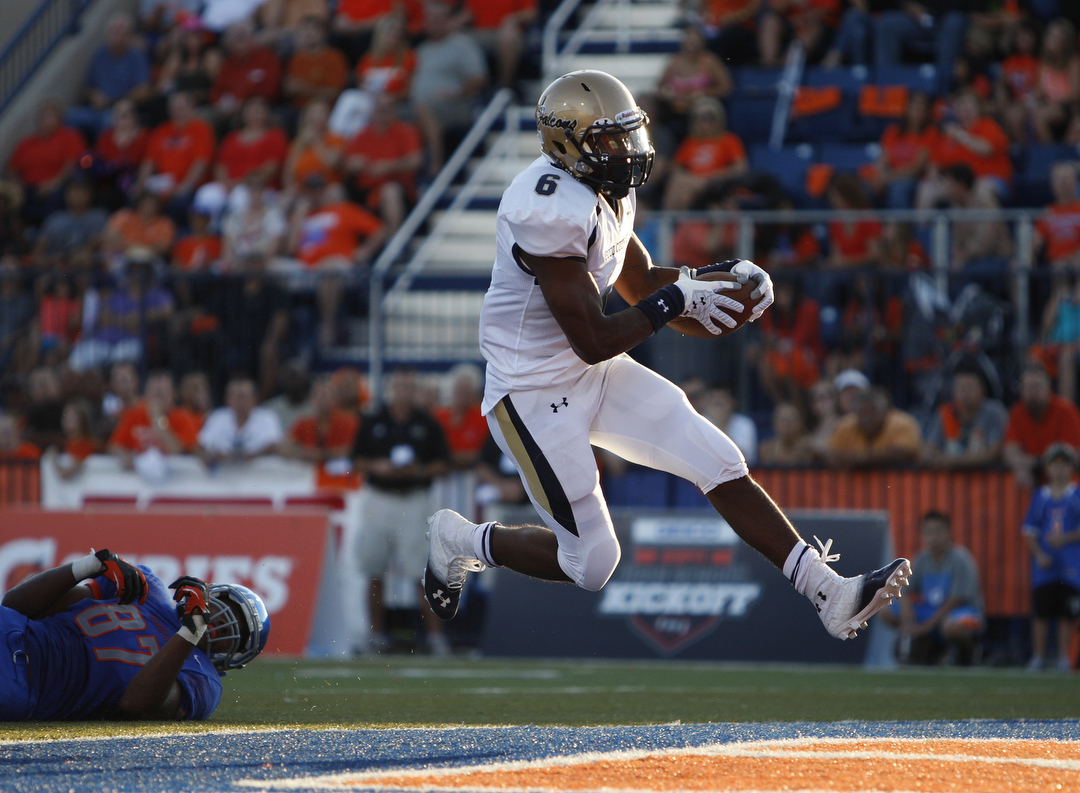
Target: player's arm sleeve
[[102, 588], [200, 688], [546, 234]]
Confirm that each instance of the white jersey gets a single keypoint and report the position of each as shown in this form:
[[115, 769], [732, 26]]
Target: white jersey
[[545, 212]]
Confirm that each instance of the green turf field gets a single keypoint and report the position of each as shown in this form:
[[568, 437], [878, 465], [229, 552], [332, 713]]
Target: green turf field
[[410, 690]]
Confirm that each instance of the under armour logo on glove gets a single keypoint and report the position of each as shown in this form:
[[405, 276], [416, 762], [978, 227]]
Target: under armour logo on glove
[[555, 407]]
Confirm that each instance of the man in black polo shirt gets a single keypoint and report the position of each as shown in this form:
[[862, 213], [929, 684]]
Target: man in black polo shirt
[[399, 449]]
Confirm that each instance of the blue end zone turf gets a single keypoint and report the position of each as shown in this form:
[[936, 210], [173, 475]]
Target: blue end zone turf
[[217, 761]]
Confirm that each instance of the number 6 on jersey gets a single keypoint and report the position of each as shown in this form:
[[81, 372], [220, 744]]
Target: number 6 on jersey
[[548, 184]]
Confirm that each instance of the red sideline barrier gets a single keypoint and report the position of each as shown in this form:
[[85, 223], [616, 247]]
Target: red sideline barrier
[[987, 509], [20, 482], [277, 554]]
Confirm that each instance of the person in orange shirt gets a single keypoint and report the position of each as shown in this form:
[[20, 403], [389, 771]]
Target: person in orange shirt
[[499, 27], [248, 70], [79, 441], [325, 438], [118, 152], [792, 349], [178, 155], [256, 148], [876, 435], [336, 234], [43, 161], [1058, 89], [316, 70], [195, 395], [389, 65], [465, 427], [384, 158], [1040, 417], [315, 151], [701, 243], [155, 422], [200, 248], [1017, 81], [1058, 233], [809, 21], [709, 154], [280, 20], [12, 446], [975, 140], [336, 237], [730, 29], [852, 242], [905, 152], [142, 227]]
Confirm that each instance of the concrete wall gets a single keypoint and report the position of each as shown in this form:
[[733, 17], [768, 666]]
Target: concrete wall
[[12, 14], [61, 76]]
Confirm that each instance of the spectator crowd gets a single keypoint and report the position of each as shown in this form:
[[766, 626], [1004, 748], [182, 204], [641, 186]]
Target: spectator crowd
[[179, 245]]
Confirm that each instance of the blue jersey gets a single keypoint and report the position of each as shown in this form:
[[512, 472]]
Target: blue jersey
[[83, 658], [1048, 515]]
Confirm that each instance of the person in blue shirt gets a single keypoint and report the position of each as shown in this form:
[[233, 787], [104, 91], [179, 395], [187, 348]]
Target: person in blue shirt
[[117, 646], [943, 617], [1052, 532], [119, 69]]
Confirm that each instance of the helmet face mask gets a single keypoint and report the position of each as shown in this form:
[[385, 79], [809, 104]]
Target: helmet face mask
[[590, 126], [235, 640]]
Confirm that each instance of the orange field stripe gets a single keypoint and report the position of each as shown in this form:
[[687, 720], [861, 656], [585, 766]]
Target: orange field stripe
[[828, 765]]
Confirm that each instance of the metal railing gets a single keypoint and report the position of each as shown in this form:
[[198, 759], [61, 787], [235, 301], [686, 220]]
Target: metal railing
[[937, 221], [391, 254], [553, 56], [46, 27], [503, 147], [785, 95], [439, 325]]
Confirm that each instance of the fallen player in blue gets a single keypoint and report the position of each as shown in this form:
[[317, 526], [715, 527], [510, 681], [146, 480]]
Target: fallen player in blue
[[120, 645]]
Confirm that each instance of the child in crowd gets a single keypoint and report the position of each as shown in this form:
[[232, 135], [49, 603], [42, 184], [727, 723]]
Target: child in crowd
[[942, 615], [1052, 532]]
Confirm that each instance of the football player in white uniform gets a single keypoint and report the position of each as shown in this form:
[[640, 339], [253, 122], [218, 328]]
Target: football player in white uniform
[[559, 381]]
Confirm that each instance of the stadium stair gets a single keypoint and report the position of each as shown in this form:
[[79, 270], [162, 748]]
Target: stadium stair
[[434, 320]]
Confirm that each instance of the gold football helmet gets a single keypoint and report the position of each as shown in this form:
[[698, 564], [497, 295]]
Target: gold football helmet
[[591, 127]]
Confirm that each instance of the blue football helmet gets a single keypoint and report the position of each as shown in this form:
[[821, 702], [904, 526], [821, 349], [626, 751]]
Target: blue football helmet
[[239, 626]]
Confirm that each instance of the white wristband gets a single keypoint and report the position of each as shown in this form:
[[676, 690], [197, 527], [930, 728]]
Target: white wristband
[[87, 567], [190, 636]]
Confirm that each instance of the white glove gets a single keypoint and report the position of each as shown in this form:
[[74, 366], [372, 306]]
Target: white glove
[[703, 301], [748, 271]]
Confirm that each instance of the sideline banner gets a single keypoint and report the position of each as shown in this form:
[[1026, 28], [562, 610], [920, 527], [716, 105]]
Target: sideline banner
[[276, 554], [687, 587]]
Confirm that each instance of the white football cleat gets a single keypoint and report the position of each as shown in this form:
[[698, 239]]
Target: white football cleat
[[845, 604], [450, 559]]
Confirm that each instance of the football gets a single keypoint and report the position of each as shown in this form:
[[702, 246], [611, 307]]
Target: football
[[689, 326]]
